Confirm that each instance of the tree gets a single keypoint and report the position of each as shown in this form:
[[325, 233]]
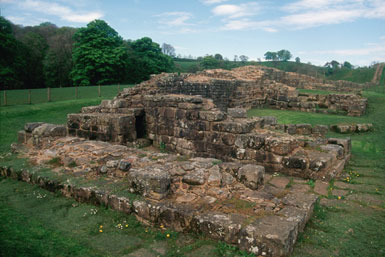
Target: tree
[[284, 55], [348, 65], [12, 61], [58, 60], [219, 57], [236, 58], [243, 58], [168, 50], [271, 56], [297, 60], [99, 56], [209, 62], [145, 57]]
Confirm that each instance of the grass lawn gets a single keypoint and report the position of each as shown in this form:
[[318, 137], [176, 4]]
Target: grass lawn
[[34, 222], [353, 226], [17, 97]]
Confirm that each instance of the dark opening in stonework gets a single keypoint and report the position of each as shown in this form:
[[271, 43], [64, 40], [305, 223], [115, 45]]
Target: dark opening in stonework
[[140, 126]]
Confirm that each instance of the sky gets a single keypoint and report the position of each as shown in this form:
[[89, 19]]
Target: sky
[[317, 31]]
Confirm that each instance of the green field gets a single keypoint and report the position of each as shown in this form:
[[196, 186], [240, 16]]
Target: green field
[[51, 225], [17, 97]]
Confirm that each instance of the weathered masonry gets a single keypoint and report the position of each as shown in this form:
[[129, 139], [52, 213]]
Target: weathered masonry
[[192, 125], [253, 86]]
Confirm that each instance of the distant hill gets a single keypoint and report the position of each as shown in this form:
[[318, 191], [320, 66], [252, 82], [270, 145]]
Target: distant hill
[[358, 75]]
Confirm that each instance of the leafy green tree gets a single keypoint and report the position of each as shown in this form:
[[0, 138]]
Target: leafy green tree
[[348, 65], [284, 55], [99, 56], [209, 62], [168, 49], [219, 57], [12, 61], [297, 60], [271, 56], [58, 60], [145, 57], [243, 58]]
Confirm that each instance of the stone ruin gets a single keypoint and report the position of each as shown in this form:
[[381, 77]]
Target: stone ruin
[[254, 87], [193, 126], [216, 157]]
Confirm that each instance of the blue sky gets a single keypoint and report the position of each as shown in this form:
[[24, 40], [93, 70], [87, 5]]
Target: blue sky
[[315, 30]]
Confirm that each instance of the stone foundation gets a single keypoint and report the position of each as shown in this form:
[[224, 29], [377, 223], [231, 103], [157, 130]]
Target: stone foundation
[[232, 202], [193, 126], [249, 87]]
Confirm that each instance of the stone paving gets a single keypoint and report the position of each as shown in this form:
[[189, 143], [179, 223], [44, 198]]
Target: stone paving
[[233, 202]]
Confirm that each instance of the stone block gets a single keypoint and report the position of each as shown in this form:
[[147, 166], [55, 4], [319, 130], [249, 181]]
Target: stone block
[[196, 177], [239, 127], [365, 127], [124, 165], [297, 161], [153, 182], [237, 112], [320, 130], [303, 129], [280, 145], [346, 143], [212, 115], [335, 149], [269, 120], [29, 127], [251, 175], [50, 130]]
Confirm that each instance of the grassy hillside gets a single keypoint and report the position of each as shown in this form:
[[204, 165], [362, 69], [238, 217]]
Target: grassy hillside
[[359, 75]]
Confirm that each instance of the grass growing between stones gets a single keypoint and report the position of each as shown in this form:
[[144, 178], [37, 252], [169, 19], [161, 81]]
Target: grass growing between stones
[[350, 225]]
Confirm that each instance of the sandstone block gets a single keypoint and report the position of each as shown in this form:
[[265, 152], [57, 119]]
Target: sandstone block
[[251, 175], [29, 127], [237, 112], [303, 129], [50, 130], [196, 177], [152, 182], [212, 115]]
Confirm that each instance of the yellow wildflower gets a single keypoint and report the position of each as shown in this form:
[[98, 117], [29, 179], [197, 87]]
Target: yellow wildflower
[[100, 230], [168, 235]]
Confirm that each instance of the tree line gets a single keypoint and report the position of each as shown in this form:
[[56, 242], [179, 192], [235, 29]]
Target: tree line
[[49, 56]]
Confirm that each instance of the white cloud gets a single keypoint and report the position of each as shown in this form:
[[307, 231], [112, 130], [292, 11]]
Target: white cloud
[[312, 13], [61, 11], [27, 20], [382, 38], [313, 19], [236, 11], [213, 1], [374, 49], [311, 4], [301, 14], [175, 19]]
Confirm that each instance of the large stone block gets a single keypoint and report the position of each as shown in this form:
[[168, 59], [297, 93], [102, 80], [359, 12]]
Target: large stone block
[[153, 182], [251, 175], [280, 145]]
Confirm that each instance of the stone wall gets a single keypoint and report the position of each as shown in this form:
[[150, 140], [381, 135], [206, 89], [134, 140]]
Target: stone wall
[[248, 87], [297, 80], [192, 125]]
